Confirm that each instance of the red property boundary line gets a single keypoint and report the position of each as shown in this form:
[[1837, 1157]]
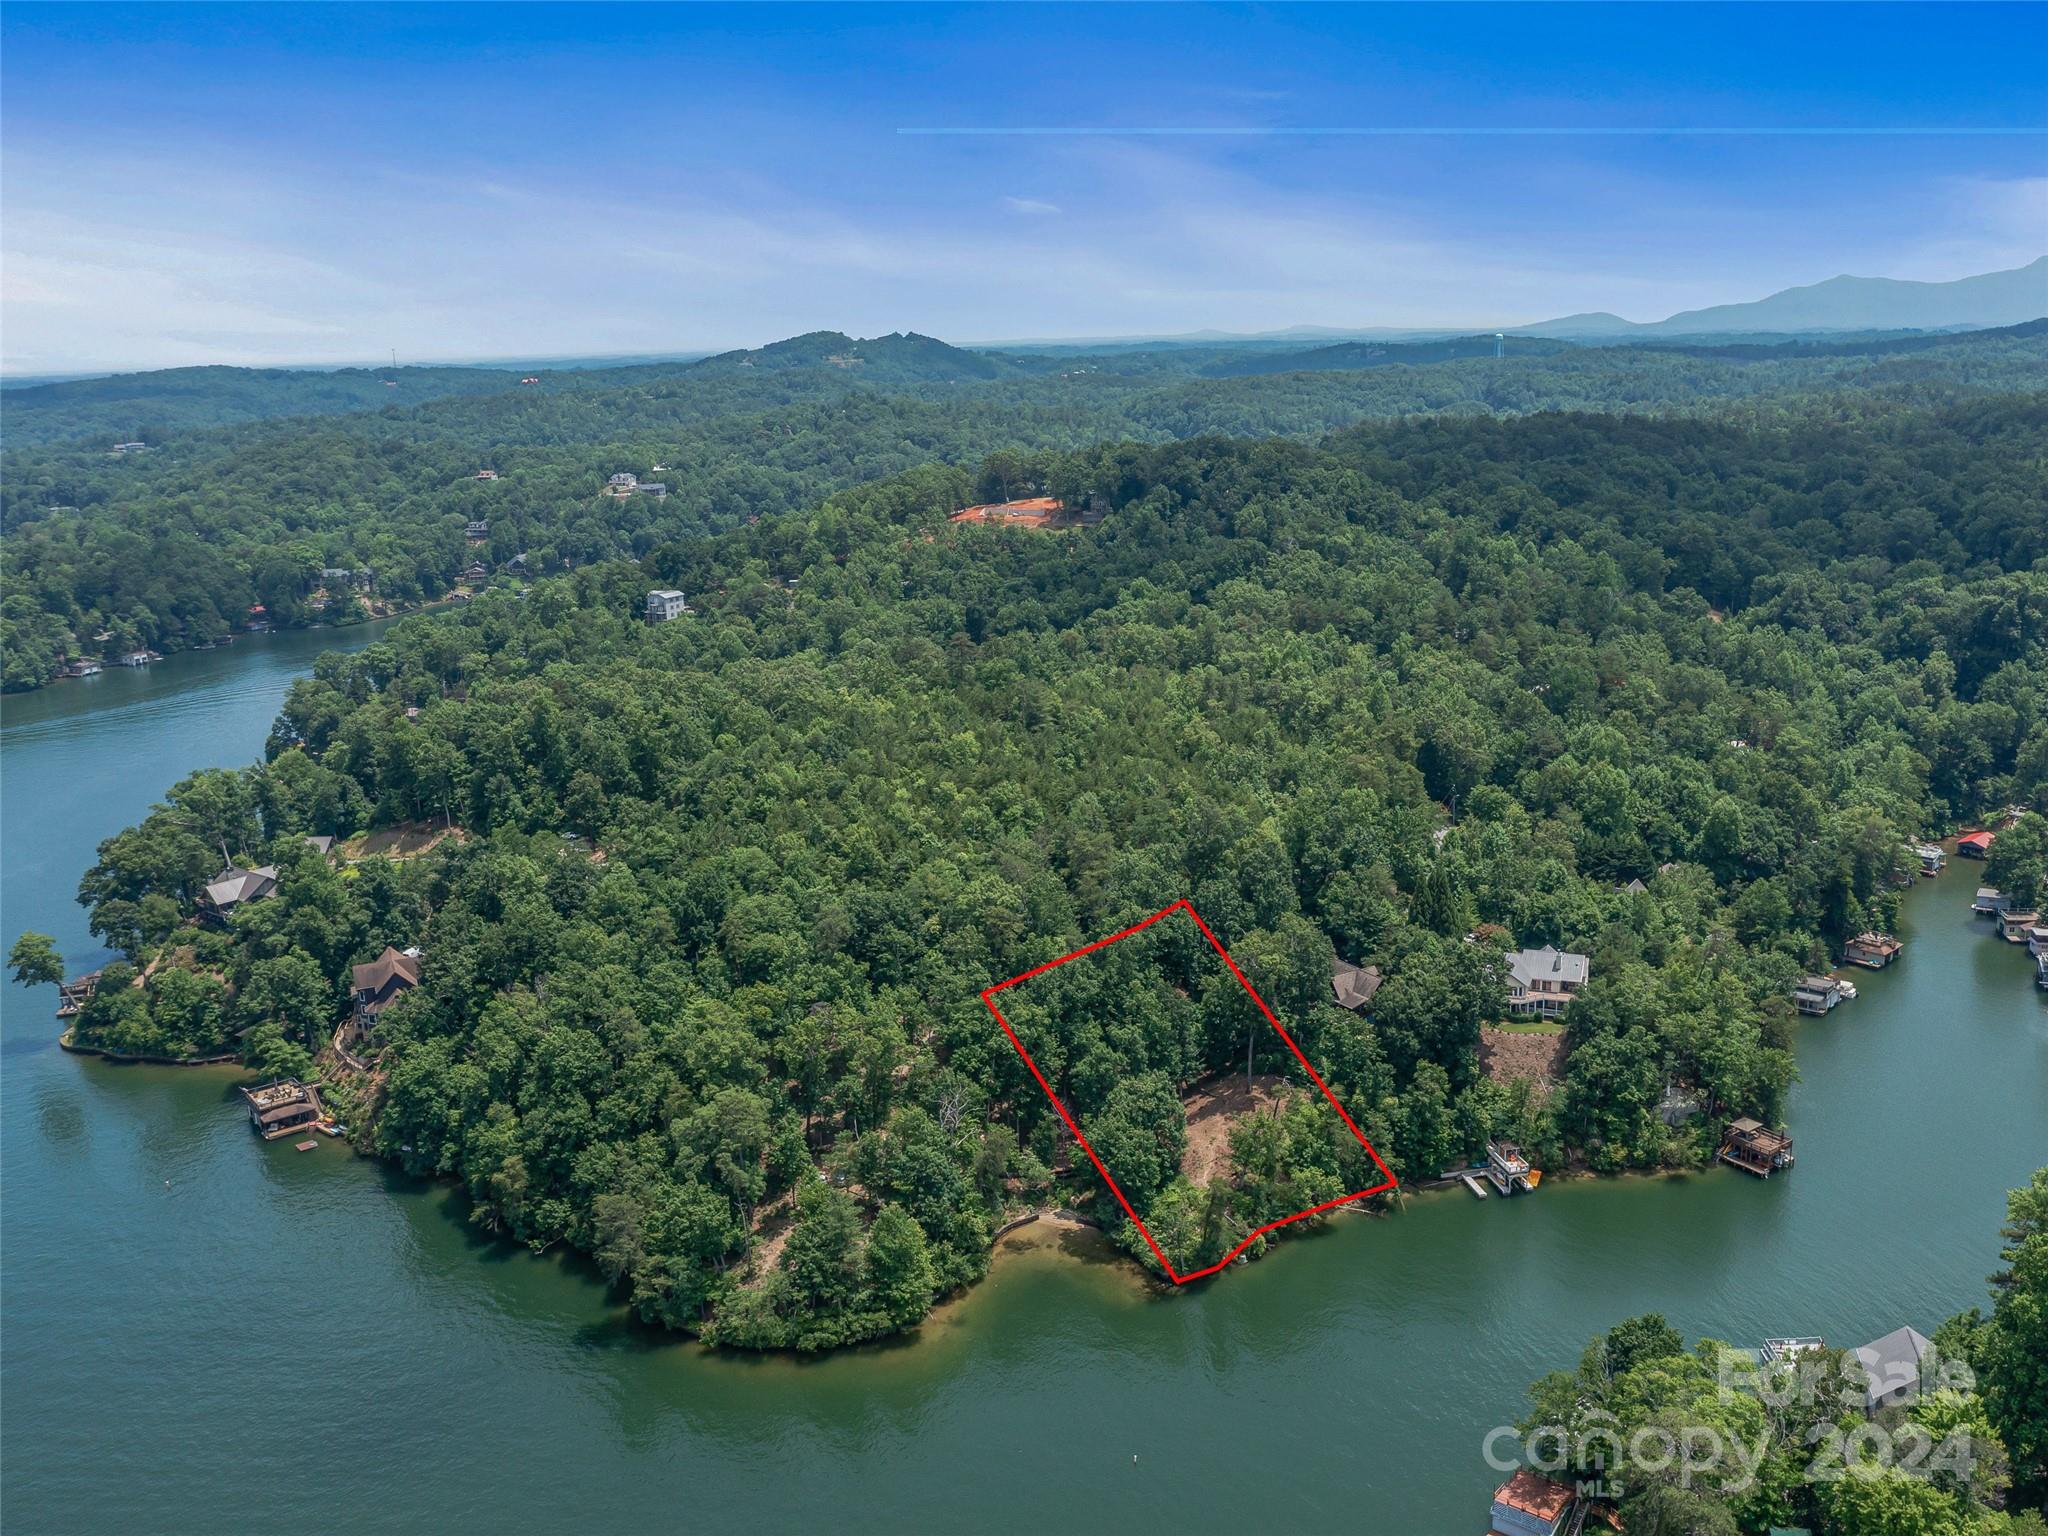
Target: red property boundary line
[[988, 997]]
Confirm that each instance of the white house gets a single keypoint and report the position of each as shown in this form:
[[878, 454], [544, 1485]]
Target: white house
[[663, 604]]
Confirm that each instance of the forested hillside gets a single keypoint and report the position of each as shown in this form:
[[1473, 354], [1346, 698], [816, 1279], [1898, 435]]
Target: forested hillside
[[154, 407], [172, 546], [704, 939]]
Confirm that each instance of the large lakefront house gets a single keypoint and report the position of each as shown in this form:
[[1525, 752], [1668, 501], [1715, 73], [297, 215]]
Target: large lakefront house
[[232, 887], [1542, 982], [378, 984]]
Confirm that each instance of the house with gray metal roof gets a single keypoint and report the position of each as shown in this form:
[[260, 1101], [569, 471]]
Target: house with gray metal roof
[[231, 887], [1544, 981], [1893, 1365]]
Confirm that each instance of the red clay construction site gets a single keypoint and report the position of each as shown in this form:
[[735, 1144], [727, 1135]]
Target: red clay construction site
[[1047, 513], [988, 997]]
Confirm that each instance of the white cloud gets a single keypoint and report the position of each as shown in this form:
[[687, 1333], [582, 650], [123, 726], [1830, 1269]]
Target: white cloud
[[154, 263], [1986, 224], [90, 292]]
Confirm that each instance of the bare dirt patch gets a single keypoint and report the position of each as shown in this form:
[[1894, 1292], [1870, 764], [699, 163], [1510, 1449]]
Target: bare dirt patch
[[773, 1223], [1506, 1054], [407, 840], [1213, 1108]]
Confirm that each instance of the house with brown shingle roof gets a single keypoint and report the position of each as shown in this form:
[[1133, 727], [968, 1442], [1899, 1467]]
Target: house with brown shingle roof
[[378, 984], [1353, 984]]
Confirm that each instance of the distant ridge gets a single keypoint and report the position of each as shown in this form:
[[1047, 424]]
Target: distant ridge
[[1348, 356], [1843, 304], [900, 357], [1845, 308]]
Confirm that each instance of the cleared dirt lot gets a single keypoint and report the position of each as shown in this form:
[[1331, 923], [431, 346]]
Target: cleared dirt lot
[[1506, 1054], [1213, 1108]]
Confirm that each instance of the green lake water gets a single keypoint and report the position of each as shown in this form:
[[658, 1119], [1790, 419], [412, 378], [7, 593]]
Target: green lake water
[[314, 1338]]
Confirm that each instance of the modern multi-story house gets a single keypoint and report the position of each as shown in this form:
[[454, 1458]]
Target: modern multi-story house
[[1542, 982]]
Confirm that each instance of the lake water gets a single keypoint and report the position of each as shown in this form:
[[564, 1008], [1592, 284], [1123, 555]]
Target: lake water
[[201, 1330]]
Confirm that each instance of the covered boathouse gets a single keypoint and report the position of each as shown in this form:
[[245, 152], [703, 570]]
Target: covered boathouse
[[1506, 1169], [1874, 951], [280, 1108], [1755, 1148], [72, 996], [1530, 1504], [1816, 994]]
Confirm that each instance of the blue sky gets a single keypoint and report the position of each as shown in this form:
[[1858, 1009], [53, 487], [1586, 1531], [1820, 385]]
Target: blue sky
[[326, 183]]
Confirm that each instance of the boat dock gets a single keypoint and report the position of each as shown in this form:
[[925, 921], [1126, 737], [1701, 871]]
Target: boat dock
[[1472, 1183], [72, 996], [1507, 1170], [1782, 1351], [1873, 951], [1755, 1148], [280, 1108]]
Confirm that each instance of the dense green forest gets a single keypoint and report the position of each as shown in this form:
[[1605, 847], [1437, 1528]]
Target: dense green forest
[[704, 942], [1966, 1454], [152, 408], [174, 546]]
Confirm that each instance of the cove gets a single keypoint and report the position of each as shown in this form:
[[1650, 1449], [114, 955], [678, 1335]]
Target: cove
[[315, 1334]]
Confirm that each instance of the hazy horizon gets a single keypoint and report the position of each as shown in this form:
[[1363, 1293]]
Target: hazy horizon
[[318, 187], [1310, 333]]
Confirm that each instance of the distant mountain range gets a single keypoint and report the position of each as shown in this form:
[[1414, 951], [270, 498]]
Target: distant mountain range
[[1861, 312], [1840, 304]]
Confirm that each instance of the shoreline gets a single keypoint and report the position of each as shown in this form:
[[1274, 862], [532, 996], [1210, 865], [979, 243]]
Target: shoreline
[[1054, 1222], [65, 1042], [242, 636]]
